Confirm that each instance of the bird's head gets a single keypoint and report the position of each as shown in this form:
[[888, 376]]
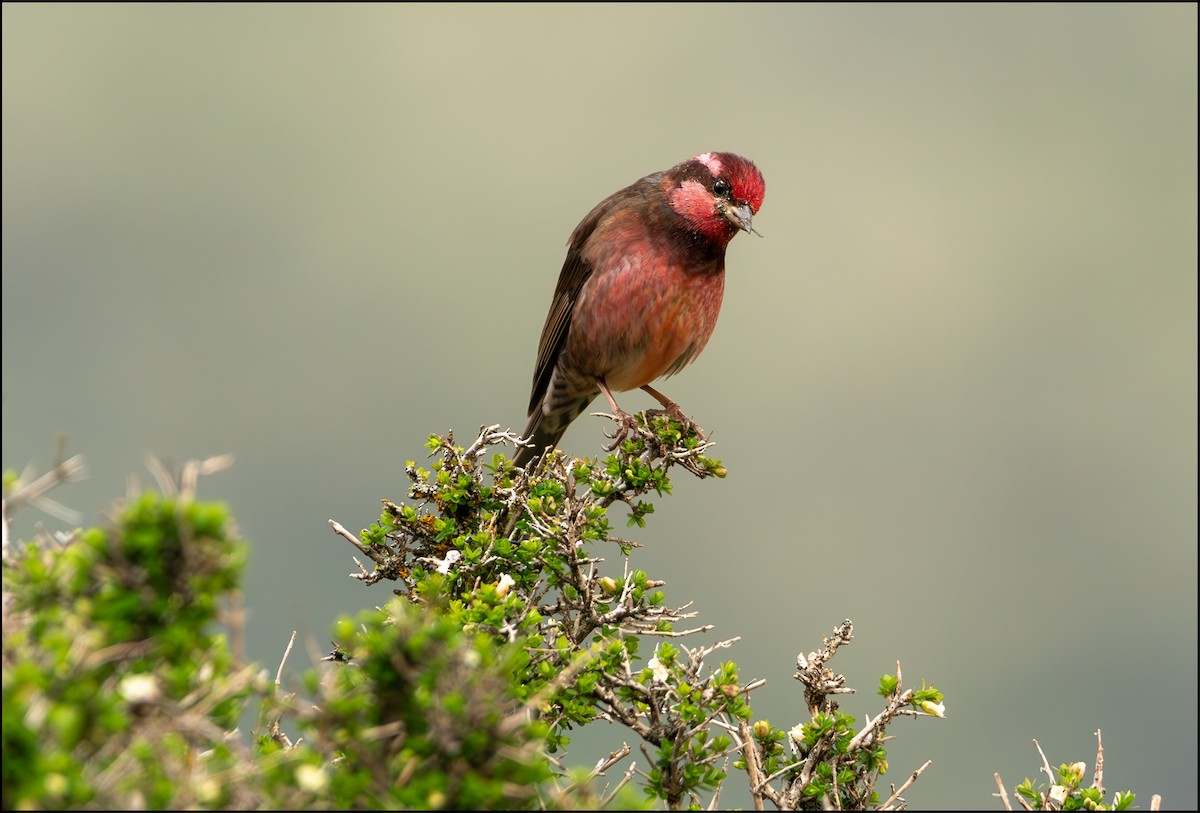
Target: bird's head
[[716, 193]]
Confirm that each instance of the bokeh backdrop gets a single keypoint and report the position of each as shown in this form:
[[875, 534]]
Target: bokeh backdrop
[[954, 384]]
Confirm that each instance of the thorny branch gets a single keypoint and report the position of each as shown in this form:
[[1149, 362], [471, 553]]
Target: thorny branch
[[537, 532], [1062, 786]]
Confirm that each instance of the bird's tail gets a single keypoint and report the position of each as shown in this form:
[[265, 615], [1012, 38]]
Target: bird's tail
[[540, 434], [547, 428]]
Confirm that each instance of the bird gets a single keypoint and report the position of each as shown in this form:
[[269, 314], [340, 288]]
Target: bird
[[639, 291]]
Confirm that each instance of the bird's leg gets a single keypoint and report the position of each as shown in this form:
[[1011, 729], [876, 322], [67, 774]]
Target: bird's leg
[[672, 409], [625, 421]]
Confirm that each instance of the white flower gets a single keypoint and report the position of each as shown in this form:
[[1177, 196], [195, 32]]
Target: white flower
[[311, 778], [207, 789], [452, 556], [1058, 795], [797, 734], [661, 673], [139, 689], [504, 585]]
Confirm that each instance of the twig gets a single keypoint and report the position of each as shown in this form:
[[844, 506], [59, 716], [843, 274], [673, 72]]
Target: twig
[[1003, 794], [193, 470], [752, 766], [715, 802], [676, 633], [602, 765], [895, 707], [1098, 779], [1046, 763], [353, 540], [67, 471], [912, 778], [342, 532], [625, 780], [789, 767], [162, 475], [237, 625], [286, 652], [612, 759]]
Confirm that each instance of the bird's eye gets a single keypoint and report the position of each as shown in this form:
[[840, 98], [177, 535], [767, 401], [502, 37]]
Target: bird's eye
[[721, 188]]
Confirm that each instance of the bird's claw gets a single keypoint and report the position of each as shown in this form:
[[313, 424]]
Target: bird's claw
[[626, 423]]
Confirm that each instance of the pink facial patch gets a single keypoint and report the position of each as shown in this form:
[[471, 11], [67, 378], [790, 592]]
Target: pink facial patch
[[696, 203]]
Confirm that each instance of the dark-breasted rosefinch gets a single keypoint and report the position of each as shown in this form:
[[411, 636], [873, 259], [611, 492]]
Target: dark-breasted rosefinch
[[640, 290]]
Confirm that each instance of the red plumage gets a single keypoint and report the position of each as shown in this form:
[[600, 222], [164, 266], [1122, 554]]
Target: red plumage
[[640, 289]]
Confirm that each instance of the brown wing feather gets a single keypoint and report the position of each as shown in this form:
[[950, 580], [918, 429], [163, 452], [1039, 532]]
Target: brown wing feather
[[574, 274]]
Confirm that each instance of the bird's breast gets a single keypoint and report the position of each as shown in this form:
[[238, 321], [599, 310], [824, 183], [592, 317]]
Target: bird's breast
[[644, 317]]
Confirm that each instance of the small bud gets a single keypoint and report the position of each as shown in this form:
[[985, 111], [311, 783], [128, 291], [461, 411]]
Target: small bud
[[608, 584], [1078, 769], [935, 709], [55, 784], [762, 728]]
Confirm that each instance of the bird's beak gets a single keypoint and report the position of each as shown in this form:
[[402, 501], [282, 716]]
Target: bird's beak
[[740, 217]]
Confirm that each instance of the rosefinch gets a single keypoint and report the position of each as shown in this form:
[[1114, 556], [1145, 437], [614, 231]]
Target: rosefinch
[[640, 290]]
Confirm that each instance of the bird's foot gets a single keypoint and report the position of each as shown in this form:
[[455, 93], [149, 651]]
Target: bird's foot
[[626, 423]]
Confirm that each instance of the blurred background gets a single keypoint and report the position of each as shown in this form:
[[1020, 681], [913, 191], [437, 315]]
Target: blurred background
[[954, 384]]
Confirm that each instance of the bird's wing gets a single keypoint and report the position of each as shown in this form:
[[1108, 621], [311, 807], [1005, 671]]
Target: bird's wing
[[574, 274]]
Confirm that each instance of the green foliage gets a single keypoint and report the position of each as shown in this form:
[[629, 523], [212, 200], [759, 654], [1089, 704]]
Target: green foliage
[[522, 555], [1067, 790], [508, 553], [424, 699], [518, 617], [511, 628], [120, 692], [113, 676], [832, 760]]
